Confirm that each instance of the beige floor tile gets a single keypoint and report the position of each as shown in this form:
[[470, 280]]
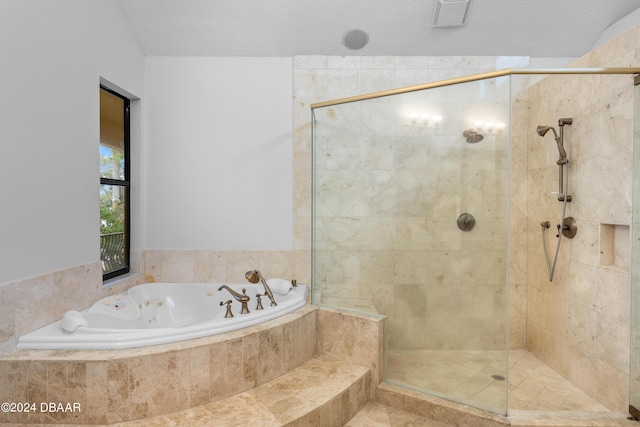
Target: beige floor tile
[[375, 415], [469, 376]]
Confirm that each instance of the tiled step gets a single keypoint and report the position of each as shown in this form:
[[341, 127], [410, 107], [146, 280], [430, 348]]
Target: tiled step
[[324, 391], [377, 415], [436, 409]]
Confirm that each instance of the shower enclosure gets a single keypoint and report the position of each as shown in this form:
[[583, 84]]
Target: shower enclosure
[[425, 200]]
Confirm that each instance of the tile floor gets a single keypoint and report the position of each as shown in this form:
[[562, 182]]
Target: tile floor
[[470, 377], [466, 375], [375, 415]]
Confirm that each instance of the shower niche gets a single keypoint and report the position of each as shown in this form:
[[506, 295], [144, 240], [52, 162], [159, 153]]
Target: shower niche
[[467, 309], [615, 246]]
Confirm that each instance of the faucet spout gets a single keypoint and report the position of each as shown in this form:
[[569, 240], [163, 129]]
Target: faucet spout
[[243, 298], [254, 276]]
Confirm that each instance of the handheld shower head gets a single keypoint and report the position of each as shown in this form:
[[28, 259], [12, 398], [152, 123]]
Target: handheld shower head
[[253, 276], [542, 131]]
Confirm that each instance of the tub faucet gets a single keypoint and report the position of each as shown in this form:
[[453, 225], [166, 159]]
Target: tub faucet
[[254, 276], [243, 298]]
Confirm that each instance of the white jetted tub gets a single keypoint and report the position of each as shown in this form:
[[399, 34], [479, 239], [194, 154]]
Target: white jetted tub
[[160, 313]]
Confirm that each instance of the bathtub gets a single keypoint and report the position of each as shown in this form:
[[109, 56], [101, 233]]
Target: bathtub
[[160, 313]]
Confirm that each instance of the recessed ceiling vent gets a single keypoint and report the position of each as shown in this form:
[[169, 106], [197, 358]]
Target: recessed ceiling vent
[[451, 13]]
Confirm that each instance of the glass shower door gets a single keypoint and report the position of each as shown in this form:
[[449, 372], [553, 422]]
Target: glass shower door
[[410, 221]]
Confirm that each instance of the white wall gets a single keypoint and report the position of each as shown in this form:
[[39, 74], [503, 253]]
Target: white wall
[[618, 28], [53, 55], [218, 154]]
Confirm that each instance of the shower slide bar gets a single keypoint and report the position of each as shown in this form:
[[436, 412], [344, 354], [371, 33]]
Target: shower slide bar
[[475, 77]]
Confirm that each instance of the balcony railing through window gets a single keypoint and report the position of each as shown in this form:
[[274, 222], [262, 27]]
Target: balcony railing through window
[[113, 251]]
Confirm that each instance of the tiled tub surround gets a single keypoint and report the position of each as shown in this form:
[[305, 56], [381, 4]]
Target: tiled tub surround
[[224, 266], [34, 302], [118, 385]]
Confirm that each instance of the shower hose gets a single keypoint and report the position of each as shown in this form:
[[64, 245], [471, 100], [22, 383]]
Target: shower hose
[[545, 225]]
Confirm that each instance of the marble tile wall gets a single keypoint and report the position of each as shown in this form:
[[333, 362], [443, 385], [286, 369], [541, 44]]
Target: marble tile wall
[[579, 323], [224, 266], [352, 337], [375, 243]]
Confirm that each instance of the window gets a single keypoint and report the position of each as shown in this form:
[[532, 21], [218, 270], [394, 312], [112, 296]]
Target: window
[[114, 183]]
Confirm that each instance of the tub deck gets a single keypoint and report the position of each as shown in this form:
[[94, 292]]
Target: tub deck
[[159, 313]]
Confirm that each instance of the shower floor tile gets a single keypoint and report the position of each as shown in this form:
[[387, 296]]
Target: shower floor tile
[[469, 377]]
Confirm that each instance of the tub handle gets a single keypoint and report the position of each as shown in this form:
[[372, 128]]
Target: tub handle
[[259, 305], [228, 313]]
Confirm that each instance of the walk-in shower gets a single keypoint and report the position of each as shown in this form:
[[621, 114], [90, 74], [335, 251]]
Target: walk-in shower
[[469, 312]]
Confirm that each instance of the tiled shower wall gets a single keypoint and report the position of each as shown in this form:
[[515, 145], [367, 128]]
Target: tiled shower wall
[[388, 275], [579, 322]]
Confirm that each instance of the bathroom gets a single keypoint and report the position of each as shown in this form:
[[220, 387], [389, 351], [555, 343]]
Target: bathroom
[[39, 282]]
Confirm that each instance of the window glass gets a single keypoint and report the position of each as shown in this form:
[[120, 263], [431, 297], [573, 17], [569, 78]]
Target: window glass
[[112, 135], [113, 228], [114, 184]]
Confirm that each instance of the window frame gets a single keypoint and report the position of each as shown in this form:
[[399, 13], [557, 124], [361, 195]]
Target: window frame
[[125, 184]]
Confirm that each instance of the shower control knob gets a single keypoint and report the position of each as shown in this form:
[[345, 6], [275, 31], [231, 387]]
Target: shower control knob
[[466, 222], [570, 227]]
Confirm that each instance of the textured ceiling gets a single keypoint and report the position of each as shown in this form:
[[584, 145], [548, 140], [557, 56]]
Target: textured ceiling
[[539, 28]]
